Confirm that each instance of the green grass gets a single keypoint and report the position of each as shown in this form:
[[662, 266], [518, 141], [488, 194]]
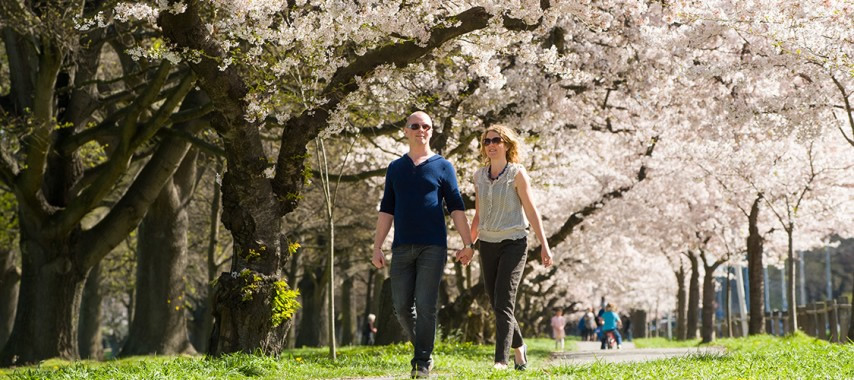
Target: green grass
[[451, 360], [664, 343], [759, 357]]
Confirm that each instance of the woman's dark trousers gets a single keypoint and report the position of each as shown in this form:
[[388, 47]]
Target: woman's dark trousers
[[502, 264]]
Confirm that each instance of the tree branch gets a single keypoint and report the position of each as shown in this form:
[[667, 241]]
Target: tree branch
[[204, 146], [131, 138], [165, 112], [577, 217], [36, 144], [97, 241], [355, 177], [848, 111], [306, 126]]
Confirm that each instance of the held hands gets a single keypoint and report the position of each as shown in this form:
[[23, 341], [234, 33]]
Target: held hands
[[379, 258], [465, 255], [546, 255]]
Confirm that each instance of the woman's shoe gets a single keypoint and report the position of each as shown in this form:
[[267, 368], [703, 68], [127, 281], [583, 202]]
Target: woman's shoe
[[499, 366], [524, 365]]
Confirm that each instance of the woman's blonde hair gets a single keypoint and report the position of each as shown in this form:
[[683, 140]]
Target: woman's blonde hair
[[511, 142]]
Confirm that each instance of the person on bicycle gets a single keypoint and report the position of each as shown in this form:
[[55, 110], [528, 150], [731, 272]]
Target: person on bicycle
[[611, 323]]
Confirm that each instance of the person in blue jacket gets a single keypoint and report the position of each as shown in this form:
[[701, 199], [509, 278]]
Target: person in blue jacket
[[611, 322]]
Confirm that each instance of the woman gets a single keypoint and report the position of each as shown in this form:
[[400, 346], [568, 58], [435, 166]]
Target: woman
[[502, 203]]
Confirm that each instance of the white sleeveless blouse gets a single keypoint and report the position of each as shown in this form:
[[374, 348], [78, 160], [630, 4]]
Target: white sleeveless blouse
[[499, 206]]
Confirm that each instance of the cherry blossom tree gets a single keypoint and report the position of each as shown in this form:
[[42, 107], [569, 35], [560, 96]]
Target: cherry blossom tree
[[261, 60]]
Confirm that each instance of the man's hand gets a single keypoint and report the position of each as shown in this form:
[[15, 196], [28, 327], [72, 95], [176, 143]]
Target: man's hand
[[546, 255], [465, 255], [379, 258]]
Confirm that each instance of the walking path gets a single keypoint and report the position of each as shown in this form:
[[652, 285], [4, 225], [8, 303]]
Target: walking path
[[589, 352]]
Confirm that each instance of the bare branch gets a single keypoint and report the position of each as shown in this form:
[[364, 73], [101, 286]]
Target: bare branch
[[96, 242], [132, 137], [848, 111]]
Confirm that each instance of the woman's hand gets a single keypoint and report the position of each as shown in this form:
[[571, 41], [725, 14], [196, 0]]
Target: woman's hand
[[546, 255], [465, 255]]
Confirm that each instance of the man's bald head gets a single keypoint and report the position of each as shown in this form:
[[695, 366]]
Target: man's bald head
[[420, 117]]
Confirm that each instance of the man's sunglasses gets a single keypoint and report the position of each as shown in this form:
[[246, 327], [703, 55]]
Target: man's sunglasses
[[416, 126], [494, 140]]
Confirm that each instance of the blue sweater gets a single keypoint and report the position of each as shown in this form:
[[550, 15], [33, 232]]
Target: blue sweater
[[414, 195], [610, 320]]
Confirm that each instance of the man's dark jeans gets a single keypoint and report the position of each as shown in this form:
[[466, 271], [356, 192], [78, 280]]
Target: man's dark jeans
[[415, 274], [502, 265]]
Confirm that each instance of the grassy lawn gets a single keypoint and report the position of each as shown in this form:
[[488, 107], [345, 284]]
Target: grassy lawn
[[664, 343], [759, 357], [756, 357], [451, 360]]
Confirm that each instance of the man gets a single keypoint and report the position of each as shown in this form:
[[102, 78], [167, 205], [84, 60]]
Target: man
[[415, 186]]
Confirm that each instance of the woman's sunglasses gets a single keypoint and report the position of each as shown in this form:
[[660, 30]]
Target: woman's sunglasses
[[494, 140], [416, 126]]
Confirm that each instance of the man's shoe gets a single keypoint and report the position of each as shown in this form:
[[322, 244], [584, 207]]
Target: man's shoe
[[419, 372]]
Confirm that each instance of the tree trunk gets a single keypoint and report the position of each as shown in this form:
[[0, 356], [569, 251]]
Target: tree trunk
[[203, 319], [728, 303], [754, 269], [790, 285], [850, 317], [707, 332], [638, 318], [56, 263], [379, 280], [313, 291], [159, 326], [52, 193], [199, 325], [292, 279], [48, 302], [89, 333], [693, 298], [347, 324], [681, 304], [478, 324], [459, 277], [389, 330], [369, 292], [329, 280], [10, 280]]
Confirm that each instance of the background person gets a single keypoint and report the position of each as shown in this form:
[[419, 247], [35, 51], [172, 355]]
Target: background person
[[558, 325], [611, 323]]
